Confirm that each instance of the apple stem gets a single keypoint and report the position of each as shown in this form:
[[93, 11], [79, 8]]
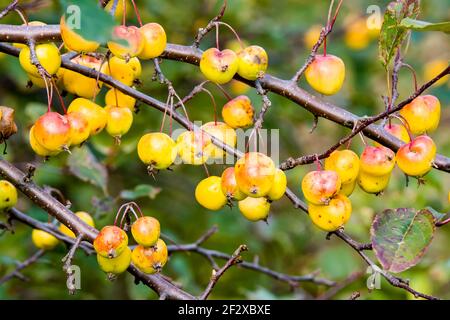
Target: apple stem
[[97, 79], [247, 146], [165, 112], [413, 73], [330, 23], [318, 164], [116, 97], [225, 93], [349, 143], [191, 125], [171, 116], [49, 92], [124, 13], [217, 36], [234, 32], [404, 123], [214, 104], [136, 11], [110, 73], [61, 100], [128, 208], [138, 208], [206, 169], [361, 135], [124, 209], [22, 15], [118, 214]]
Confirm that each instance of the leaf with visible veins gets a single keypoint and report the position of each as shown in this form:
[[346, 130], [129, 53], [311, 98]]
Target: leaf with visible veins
[[401, 237]]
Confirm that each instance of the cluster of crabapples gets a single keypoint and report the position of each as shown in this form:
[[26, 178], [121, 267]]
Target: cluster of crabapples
[[254, 182], [158, 150], [54, 132], [327, 191], [114, 255], [111, 244]]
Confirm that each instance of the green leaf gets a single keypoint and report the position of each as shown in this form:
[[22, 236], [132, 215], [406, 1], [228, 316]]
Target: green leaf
[[419, 25], [391, 34], [140, 191], [401, 237], [88, 19], [85, 166]]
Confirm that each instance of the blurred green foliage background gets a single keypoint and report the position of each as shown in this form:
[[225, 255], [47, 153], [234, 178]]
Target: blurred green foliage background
[[289, 243]]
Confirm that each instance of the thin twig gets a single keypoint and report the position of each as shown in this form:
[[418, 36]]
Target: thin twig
[[208, 234], [393, 280], [196, 90], [265, 107], [35, 61], [355, 295], [323, 35], [235, 259], [16, 273], [442, 222], [211, 24], [327, 295], [9, 8], [394, 87], [211, 255], [67, 260], [360, 125]]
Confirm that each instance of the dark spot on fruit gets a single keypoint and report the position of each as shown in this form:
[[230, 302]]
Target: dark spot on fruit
[[256, 59], [224, 68], [7, 199], [320, 216], [329, 221]]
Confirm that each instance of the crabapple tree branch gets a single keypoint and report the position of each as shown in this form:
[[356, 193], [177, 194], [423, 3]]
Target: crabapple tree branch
[[187, 124], [68, 218], [49, 228], [286, 88], [212, 23], [67, 260], [441, 162], [322, 37], [216, 274], [9, 8], [393, 280], [327, 295], [293, 280], [265, 106], [16, 273], [211, 255]]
